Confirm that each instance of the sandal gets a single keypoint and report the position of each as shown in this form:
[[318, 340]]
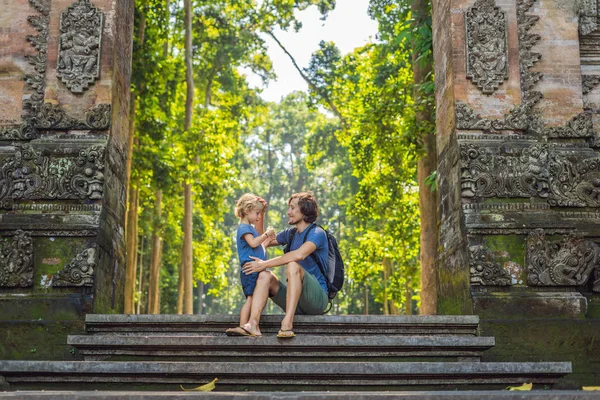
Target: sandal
[[287, 334], [239, 331]]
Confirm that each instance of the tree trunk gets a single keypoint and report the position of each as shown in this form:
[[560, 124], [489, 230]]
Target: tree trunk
[[132, 195], [188, 286], [155, 258], [131, 252], [200, 309], [425, 167], [408, 304], [141, 275], [180, 289], [386, 285], [188, 297], [366, 309]]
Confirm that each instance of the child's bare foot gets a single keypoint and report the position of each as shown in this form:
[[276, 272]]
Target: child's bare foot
[[252, 328]]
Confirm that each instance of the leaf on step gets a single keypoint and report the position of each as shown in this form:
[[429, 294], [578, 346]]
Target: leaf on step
[[590, 388], [209, 387], [523, 387]]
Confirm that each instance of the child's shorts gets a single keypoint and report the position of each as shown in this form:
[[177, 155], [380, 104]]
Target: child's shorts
[[248, 282]]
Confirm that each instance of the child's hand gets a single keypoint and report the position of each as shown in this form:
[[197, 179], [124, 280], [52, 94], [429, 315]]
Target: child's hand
[[264, 202], [270, 232]]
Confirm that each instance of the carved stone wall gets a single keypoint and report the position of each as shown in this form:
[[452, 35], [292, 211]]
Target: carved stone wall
[[65, 100], [520, 175]]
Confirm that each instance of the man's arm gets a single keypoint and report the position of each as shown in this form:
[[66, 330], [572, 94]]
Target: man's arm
[[259, 265], [272, 242]]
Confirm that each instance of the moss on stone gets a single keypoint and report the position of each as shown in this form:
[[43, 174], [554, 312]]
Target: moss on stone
[[526, 340], [38, 340], [52, 254], [509, 251]]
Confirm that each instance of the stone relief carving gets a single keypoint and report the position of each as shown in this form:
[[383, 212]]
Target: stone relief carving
[[581, 126], [588, 16], [16, 261], [79, 46], [34, 82], [485, 270], [79, 272], [522, 117], [569, 261], [524, 231], [525, 117], [589, 82], [40, 115], [58, 207], [533, 171], [30, 175], [487, 49], [52, 116]]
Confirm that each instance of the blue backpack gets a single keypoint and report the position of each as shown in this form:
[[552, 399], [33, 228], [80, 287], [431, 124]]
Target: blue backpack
[[334, 270]]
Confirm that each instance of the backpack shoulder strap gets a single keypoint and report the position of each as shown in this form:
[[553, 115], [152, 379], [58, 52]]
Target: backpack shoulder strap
[[293, 231], [311, 227], [314, 256]]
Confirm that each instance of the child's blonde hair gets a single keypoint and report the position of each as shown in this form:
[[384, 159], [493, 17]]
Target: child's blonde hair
[[247, 203]]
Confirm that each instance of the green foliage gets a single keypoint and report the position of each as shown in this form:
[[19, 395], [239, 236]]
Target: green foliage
[[361, 164]]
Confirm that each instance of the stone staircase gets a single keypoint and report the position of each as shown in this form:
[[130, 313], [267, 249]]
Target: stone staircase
[[330, 353]]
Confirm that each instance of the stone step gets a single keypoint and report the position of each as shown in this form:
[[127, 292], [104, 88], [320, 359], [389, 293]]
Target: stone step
[[102, 347], [319, 324], [421, 395], [294, 376]]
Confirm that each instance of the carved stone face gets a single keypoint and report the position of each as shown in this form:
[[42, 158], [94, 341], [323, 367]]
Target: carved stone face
[[95, 184], [486, 33]]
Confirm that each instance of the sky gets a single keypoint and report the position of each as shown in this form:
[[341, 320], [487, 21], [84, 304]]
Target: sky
[[349, 26]]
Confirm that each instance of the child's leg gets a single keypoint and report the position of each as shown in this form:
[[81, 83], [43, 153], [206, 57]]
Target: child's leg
[[245, 311]]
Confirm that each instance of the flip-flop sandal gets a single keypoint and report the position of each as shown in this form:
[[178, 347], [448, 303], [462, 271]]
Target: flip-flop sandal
[[239, 331], [286, 335]]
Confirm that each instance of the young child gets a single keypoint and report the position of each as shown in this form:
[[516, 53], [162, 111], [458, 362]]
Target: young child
[[250, 209]]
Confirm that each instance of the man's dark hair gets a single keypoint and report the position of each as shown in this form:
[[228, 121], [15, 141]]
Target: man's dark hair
[[308, 205]]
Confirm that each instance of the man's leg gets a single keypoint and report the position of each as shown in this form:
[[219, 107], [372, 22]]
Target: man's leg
[[266, 284], [295, 276]]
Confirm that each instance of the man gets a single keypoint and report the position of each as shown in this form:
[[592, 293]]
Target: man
[[305, 291]]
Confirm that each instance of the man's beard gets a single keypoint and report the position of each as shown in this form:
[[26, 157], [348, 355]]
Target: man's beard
[[292, 222]]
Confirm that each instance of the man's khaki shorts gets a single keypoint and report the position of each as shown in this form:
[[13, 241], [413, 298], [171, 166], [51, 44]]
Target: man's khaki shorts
[[313, 299]]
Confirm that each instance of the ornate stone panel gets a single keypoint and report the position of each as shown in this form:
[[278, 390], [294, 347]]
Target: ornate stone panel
[[522, 117], [525, 117], [32, 173], [52, 116], [569, 261], [589, 82], [579, 127], [588, 16], [79, 272], [539, 171], [485, 270], [79, 67], [35, 83], [16, 261], [487, 49], [79, 46]]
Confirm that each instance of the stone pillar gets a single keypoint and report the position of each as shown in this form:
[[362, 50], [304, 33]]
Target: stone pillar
[[64, 100], [519, 175]]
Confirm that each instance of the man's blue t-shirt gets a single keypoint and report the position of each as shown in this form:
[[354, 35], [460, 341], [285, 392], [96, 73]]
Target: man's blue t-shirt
[[319, 238], [244, 249]]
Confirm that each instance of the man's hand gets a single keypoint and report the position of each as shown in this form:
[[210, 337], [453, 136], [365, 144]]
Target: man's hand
[[254, 266]]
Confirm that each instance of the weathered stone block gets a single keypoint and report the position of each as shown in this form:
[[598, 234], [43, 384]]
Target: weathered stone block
[[522, 305]]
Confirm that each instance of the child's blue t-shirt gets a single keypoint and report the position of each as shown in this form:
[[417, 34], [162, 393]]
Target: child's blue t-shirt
[[319, 238], [244, 249]]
